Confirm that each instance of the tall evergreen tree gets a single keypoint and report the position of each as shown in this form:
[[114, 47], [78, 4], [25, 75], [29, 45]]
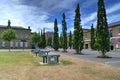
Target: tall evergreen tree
[[81, 39], [78, 32], [64, 29], [44, 39], [102, 32], [61, 41], [56, 37], [92, 33], [70, 40]]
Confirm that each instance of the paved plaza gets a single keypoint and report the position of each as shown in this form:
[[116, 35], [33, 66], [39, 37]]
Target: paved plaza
[[91, 56]]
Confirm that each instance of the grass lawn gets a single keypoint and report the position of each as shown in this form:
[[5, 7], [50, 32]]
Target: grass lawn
[[24, 66]]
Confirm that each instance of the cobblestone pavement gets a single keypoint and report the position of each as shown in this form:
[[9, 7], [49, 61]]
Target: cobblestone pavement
[[91, 55]]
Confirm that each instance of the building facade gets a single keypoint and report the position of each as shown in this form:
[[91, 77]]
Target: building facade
[[21, 42], [114, 30], [114, 33], [86, 36]]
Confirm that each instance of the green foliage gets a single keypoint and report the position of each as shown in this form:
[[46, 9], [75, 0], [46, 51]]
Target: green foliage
[[81, 39], [78, 32], [17, 58], [92, 42], [56, 37], [64, 32], [61, 41], [102, 32], [49, 41], [35, 38], [42, 41], [65, 62], [70, 39], [8, 35]]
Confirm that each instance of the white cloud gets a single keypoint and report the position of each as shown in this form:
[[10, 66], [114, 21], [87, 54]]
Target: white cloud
[[93, 16], [114, 8]]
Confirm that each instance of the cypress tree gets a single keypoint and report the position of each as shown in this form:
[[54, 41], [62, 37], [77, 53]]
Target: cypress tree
[[81, 39], [61, 41], [56, 37], [70, 39], [43, 39], [102, 33], [78, 32], [92, 33], [64, 29]]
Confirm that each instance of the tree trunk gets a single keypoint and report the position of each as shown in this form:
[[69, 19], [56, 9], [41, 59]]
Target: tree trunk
[[77, 51], [9, 46]]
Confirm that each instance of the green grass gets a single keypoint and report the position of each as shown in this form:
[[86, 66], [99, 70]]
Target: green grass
[[66, 62], [17, 58]]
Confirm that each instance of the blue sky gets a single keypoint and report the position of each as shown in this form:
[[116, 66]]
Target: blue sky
[[40, 14]]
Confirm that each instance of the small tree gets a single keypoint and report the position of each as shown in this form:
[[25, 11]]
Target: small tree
[[8, 35], [64, 29], [55, 37], [70, 39], [92, 42]]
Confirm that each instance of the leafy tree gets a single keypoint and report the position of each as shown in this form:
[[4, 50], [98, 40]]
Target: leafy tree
[[78, 32], [102, 33], [35, 38], [70, 39], [92, 42], [56, 37], [8, 35], [64, 29]]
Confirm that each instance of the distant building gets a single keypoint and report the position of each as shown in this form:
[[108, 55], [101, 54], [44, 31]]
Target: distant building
[[86, 36], [22, 41], [114, 33], [49, 34], [114, 30]]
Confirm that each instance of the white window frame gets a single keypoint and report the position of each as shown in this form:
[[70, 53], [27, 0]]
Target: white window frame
[[26, 44], [3, 43], [21, 44], [11, 43], [16, 44]]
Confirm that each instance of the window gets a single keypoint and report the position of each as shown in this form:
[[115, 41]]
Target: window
[[21, 44], [3, 43], [110, 33], [11, 44], [26, 35], [118, 31], [16, 45], [26, 44], [85, 35]]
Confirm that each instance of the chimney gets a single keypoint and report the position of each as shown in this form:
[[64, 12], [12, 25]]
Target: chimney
[[9, 24], [28, 27]]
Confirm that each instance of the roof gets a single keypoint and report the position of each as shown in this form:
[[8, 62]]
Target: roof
[[14, 27], [114, 24]]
